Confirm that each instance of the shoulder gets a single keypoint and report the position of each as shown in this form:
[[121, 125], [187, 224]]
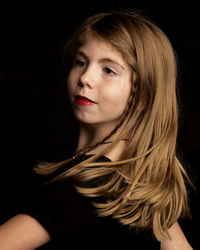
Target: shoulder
[[22, 232]]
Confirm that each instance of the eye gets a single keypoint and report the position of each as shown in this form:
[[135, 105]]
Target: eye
[[79, 63], [109, 71]]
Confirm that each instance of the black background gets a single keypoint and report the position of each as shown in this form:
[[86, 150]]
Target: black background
[[35, 121]]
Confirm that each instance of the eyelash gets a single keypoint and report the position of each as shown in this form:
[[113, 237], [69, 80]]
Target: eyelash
[[107, 70], [79, 63]]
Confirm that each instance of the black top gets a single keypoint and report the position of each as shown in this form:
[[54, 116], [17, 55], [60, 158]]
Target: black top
[[72, 221]]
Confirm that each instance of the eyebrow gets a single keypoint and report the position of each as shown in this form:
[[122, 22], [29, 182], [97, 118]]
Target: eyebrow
[[81, 53], [112, 61]]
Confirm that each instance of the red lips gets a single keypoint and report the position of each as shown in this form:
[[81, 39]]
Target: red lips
[[82, 100]]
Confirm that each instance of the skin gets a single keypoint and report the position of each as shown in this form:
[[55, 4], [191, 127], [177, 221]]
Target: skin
[[22, 232], [177, 240], [92, 77], [100, 73]]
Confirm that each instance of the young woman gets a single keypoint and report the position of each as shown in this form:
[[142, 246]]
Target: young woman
[[124, 177]]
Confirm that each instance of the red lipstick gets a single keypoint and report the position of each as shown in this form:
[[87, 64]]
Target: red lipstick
[[82, 100]]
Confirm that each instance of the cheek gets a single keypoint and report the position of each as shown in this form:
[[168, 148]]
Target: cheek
[[116, 99], [70, 82], [70, 89]]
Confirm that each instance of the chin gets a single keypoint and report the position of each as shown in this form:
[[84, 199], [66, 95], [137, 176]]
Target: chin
[[85, 120]]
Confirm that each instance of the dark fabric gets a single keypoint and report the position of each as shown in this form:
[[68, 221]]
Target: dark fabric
[[72, 221]]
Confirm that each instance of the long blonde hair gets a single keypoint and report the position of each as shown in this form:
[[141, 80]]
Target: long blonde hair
[[146, 188]]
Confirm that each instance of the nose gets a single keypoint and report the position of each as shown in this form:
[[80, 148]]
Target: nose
[[87, 78]]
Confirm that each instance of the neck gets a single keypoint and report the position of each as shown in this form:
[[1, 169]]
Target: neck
[[92, 134]]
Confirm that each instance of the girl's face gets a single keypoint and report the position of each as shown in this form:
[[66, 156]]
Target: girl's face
[[99, 83]]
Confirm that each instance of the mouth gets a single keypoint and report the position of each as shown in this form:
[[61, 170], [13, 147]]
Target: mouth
[[82, 100]]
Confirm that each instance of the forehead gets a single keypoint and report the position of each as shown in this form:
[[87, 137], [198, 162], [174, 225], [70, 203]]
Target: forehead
[[93, 43]]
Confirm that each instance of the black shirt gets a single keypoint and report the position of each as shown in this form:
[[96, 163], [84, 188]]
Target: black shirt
[[72, 221]]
